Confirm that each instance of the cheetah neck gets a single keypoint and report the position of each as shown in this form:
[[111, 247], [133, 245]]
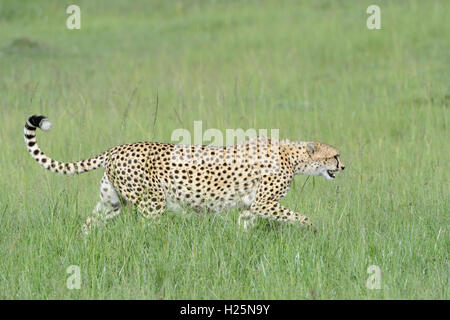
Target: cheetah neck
[[297, 155]]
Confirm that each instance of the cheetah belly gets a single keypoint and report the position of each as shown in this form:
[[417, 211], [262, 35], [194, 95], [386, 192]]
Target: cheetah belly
[[237, 199], [173, 205], [248, 198]]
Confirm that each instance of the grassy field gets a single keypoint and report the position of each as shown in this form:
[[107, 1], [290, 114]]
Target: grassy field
[[309, 68]]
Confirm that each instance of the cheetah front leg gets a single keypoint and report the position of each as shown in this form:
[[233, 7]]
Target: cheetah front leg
[[266, 202], [273, 210], [107, 208]]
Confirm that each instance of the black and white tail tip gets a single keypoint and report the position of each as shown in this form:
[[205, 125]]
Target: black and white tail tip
[[41, 122]]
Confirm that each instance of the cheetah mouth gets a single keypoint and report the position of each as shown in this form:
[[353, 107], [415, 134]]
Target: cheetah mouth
[[331, 174]]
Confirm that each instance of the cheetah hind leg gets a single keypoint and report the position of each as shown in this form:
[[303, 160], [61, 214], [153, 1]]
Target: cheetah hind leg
[[151, 204], [107, 208], [151, 211], [247, 218]]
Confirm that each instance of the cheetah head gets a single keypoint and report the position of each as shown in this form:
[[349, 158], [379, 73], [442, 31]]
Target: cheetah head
[[318, 159]]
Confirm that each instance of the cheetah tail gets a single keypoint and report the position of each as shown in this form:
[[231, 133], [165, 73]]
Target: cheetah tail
[[67, 168]]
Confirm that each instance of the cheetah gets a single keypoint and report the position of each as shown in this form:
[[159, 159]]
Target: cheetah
[[252, 176]]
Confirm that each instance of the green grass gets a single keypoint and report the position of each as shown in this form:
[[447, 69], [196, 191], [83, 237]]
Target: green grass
[[310, 68]]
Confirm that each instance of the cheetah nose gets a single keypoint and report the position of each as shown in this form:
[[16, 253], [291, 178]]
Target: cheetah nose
[[342, 168]]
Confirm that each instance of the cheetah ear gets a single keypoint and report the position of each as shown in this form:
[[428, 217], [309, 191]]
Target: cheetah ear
[[310, 148]]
